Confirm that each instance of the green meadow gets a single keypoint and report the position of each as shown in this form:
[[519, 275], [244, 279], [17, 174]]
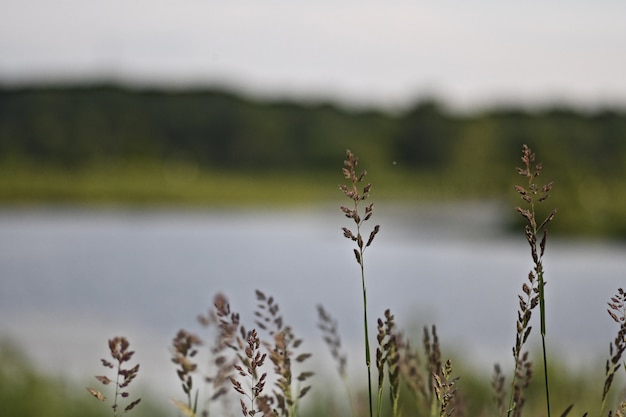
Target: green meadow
[[595, 205]]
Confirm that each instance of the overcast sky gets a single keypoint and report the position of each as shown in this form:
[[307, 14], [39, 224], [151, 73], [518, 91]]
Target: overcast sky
[[386, 52]]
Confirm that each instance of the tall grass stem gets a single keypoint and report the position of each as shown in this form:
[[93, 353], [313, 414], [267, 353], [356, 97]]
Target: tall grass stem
[[368, 358], [353, 193]]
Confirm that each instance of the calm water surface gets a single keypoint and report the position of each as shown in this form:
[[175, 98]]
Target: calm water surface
[[71, 279]]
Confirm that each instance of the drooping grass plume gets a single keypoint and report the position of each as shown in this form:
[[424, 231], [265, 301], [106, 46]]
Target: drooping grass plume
[[283, 353], [357, 195], [422, 376], [533, 194], [432, 352], [388, 356], [441, 385], [521, 379], [237, 353], [523, 371], [184, 349], [499, 393], [445, 389], [222, 359], [119, 348], [617, 311], [332, 338], [251, 362], [330, 332], [412, 375]]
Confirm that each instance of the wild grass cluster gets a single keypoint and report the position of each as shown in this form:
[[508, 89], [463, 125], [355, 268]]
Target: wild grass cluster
[[261, 366]]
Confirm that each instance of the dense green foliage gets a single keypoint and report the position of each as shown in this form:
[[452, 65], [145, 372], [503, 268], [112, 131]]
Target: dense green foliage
[[75, 126], [71, 133], [79, 126]]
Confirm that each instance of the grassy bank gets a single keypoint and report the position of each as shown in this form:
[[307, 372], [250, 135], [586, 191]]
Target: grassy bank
[[594, 208], [151, 184]]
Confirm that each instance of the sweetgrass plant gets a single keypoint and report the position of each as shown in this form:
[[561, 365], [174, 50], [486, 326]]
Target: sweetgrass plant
[[252, 361], [499, 391], [357, 195], [427, 378], [240, 359], [388, 356], [119, 349], [220, 367], [617, 311], [532, 194], [445, 389], [414, 377], [330, 333], [221, 361], [184, 349], [284, 352]]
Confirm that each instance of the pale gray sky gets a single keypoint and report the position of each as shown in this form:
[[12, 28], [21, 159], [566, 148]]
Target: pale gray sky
[[381, 52]]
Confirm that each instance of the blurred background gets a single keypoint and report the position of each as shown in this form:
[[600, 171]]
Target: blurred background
[[155, 153]]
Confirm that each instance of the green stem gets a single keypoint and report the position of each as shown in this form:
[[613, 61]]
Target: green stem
[[542, 311], [379, 401], [513, 382], [367, 343], [545, 372], [542, 304], [434, 407], [365, 326], [117, 388]]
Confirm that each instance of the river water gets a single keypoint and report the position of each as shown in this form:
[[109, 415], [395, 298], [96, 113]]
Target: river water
[[70, 279]]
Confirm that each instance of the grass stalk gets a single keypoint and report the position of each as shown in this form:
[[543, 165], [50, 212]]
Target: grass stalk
[[119, 349], [545, 363], [532, 194], [388, 356], [368, 360], [352, 191], [184, 349], [617, 311], [330, 331]]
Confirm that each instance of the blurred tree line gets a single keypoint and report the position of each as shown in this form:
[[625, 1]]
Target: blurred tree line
[[75, 127]]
